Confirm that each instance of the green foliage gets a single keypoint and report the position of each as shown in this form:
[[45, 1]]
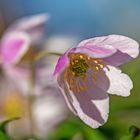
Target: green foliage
[[3, 133], [134, 134], [74, 129], [4, 136]]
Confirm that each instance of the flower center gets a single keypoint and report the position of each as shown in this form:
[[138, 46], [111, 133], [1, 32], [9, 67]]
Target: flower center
[[79, 66], [76, 73]]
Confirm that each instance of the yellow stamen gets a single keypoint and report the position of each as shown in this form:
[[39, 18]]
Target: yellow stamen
[[75, 74], [101, 66], [97, 68], [81, 56], [72, 63], [88, 58], [96, 61]]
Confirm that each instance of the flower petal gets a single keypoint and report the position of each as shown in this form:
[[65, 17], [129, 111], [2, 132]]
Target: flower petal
[[95, 50], [13, 46], [33, 25], [63, 62], [65, 92], [126, 47], [92, 107], [120, 83], [121, 43]]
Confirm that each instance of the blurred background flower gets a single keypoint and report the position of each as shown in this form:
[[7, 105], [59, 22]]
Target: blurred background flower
[[70, 22], [46, 102]]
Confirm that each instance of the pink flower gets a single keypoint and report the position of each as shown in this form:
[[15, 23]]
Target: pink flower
[[20, 36], [87, 73], [16, 42]]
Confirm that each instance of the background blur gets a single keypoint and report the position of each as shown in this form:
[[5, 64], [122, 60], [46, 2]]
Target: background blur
[[81, 19]]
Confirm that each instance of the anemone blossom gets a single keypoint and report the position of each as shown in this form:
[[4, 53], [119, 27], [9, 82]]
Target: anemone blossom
[[20, 37], [87, 73]]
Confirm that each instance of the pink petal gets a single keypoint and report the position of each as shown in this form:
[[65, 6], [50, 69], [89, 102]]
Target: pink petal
[[95, 50], [118, 59], [63, 62], [13, 46], [92, 106], [33, 25], [127, 48]]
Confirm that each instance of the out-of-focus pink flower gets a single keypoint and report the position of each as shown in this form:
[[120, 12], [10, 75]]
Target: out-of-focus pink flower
[[88, 72], [33, 25], [15, 45], [21, 35]]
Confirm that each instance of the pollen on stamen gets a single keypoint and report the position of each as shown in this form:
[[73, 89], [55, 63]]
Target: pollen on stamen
[[96, 61], [81, 56], [97, 68], [73, 73], [101, 66], [72, 63]]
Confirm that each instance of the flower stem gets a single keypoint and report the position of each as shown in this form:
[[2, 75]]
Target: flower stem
[[31, 98], [44, 54]]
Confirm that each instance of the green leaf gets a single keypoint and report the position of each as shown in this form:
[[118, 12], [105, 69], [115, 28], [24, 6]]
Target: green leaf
[[3, 133], [127, 138], [4, 124], [4, 136]]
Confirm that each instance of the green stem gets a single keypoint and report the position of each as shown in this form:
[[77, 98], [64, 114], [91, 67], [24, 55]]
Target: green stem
[[44, 54], [31, 98]]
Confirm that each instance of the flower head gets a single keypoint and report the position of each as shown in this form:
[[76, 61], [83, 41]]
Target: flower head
[[88, 72], [18, 38]]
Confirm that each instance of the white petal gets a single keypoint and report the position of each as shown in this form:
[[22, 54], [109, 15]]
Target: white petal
[[120, 83]]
